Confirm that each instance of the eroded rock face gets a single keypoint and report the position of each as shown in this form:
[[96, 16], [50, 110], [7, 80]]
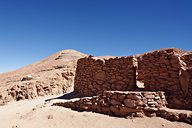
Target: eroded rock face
[[51, 76]]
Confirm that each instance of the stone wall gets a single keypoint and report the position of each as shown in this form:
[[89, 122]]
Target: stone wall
[[165, 70], [95, 75], [162, 70], [159, 70], [187, 58], [120, 103]]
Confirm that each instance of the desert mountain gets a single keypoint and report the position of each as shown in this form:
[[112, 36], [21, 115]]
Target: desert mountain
[[52, 75]]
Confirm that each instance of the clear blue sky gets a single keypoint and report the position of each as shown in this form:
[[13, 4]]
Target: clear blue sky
[[34, 29]]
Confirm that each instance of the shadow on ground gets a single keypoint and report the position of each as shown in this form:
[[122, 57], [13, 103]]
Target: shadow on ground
[[67, 96]]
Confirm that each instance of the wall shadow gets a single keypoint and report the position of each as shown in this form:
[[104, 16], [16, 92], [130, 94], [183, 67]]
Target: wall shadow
[[67, 96]]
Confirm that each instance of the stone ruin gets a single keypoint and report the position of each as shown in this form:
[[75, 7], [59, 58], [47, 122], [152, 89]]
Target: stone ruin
[[167, 70], [120, 103], [137, 84]]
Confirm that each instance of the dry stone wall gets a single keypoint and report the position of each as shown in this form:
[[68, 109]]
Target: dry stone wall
[[175, 115], [119, 103], [159, 70], [95, 75], [187, 58], [166, 70]]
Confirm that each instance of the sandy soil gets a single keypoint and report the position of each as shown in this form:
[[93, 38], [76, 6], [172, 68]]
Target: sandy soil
[[40, 114]]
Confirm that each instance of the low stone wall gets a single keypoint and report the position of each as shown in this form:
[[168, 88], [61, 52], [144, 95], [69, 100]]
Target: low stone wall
[[95, 75], [119, 103], [175, 115]]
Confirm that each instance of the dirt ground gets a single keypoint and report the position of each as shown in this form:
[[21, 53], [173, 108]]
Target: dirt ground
[[37, 113]]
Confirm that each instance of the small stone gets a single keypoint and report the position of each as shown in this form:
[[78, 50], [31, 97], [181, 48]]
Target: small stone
[[115, 102], [157, 98], [150, 109], [125, 111], [85, 107], [114, 109], [50, 116], [15, 126], [129, 103], [152, 103], [151, 114], [101, 75], [100, 82], [139, 114], [88, 103], [121, 97], [150, 96], [150, 100], [26, 78], [140, 103], [134, 97], [119, 77], [34, 109]]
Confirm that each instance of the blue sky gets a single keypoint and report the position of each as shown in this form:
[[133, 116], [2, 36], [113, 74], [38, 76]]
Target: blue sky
[[31, 30]]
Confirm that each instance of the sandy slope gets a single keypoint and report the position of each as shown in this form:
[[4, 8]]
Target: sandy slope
[[36, 113], [62, 58], [50, 76]]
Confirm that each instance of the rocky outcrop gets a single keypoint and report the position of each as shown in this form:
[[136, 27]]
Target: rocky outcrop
[[51, 76], [58, 83]]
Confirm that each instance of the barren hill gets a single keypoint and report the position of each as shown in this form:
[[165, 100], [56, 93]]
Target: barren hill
[[52, 75]]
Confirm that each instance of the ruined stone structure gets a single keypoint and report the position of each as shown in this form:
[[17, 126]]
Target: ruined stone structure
[[164, 70], [121, 103], [129, 104], [167, 70]]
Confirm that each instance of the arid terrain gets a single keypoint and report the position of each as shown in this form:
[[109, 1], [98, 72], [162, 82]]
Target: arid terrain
[[40, 114], [51, 76], [27, 96]]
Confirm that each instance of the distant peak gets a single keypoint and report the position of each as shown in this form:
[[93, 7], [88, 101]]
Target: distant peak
[[70, 51]]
